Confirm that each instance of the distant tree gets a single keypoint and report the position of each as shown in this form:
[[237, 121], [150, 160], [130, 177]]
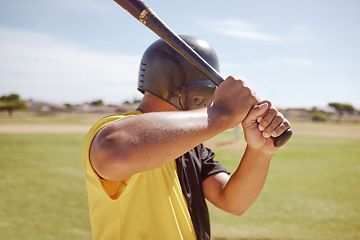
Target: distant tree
[[11, 102], [318, 115], [341, 108], [97, 103], [349, 108], [69, 107], [134, 101]]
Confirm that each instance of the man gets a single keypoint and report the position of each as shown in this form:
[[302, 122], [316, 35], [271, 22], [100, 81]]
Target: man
[[147, 171]]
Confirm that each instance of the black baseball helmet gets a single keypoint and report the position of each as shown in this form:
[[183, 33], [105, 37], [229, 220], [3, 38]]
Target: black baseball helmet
[[169, 76]]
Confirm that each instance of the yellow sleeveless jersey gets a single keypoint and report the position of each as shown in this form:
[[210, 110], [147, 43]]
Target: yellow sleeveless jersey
[[149, 205]]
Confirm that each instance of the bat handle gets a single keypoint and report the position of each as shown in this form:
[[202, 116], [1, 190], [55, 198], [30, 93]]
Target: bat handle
[[283, 138]]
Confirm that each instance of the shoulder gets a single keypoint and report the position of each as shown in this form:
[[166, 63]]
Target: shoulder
[[105, 121]]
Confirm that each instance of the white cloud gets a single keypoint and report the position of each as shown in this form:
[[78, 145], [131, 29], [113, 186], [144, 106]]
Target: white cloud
[[78, 6], [39, 65], [245, 30]]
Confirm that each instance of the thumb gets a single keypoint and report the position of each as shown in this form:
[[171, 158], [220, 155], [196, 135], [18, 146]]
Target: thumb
[[257, 112]]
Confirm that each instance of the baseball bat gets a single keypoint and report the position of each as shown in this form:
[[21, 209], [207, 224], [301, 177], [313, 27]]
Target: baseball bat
[[145, 15]]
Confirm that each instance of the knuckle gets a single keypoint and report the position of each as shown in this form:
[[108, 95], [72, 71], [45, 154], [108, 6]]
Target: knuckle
[[231, 78], [240, 81], [246, 89], [265, 122], [273, 111], [279, 118]]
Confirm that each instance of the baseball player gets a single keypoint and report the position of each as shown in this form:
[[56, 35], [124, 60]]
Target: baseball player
[[147, 171]]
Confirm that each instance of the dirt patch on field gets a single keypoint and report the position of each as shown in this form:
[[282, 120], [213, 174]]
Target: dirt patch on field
[[19, 129], [347, 134]]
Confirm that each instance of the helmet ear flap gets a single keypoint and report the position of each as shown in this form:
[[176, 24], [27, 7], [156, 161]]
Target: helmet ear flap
[[196, 95]]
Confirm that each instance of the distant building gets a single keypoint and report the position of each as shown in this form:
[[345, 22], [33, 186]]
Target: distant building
[[45, 107], [296, 112]]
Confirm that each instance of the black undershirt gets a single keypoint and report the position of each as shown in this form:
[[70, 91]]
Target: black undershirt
[[193, 168]]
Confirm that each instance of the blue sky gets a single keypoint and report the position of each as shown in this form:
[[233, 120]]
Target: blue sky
[[294, 53]]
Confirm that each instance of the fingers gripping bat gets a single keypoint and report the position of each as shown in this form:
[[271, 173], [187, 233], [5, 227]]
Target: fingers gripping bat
[[144, 14]]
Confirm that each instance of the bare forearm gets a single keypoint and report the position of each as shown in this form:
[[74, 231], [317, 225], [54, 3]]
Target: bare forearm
[[164, 135], [150, 140], [245, 185]]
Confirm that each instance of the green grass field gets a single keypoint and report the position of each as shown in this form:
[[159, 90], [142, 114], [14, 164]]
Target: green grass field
[[312, 191], [42, 187]]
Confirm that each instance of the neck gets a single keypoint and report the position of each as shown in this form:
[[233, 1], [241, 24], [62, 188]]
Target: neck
[[151, 103]]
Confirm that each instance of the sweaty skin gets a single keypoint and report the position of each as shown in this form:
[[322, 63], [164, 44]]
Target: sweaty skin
[[163, 133]]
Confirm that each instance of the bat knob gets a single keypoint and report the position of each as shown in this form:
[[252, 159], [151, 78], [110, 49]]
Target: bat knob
[[283, 138]]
